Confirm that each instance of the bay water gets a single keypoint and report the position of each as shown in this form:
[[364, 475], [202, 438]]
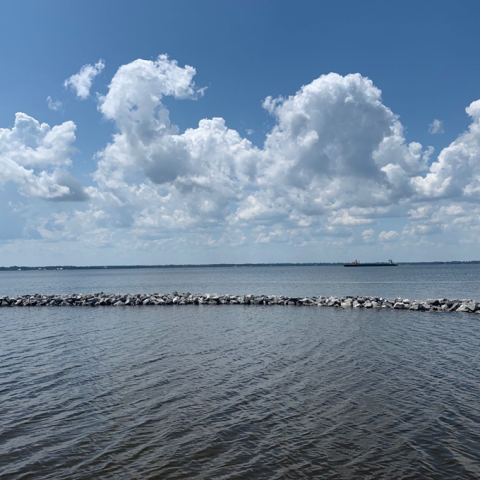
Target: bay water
[[241, 391]]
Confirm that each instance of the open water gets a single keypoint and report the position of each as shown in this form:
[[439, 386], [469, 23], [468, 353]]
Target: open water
[[241, 391]]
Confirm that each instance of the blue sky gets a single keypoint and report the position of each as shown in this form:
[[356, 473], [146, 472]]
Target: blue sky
[[270, 202]]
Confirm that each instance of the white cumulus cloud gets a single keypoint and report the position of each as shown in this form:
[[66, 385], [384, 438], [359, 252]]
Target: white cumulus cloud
[[336, 146], [36, 158], [199, 173], [337, 156], [335, 163], [456, 172], [82, 81]]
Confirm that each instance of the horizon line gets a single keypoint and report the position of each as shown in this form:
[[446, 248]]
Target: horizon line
[[219, 265]]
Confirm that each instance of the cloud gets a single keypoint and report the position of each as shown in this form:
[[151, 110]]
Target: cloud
[[82, 81], [36, 157], [76, 191], [343, 217], [456, 172], [335, 147], [436, 127], [136, 91], [368, 236], [201, 171], [336, 156], [54, 105], [33, 144], [335, 162], [390, 236], [421, 229]]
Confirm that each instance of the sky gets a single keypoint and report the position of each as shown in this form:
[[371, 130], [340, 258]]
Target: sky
[[175, 132]]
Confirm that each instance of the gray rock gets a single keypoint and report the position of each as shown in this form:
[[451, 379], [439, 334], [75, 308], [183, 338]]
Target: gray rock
[[175, 298], [472, 306]]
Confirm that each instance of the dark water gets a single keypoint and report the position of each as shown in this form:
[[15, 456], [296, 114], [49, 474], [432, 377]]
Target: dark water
[[237, 392]]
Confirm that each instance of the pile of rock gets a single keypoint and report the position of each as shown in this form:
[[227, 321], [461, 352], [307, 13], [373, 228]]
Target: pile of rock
[[175, 298]]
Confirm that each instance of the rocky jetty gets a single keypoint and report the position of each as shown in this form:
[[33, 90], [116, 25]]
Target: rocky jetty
[[142, 299]]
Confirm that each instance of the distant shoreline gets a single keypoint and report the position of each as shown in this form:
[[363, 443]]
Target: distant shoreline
[[215, 265]]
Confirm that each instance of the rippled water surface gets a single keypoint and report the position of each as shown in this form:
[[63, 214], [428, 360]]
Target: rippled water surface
[[408, 281], [237, 391]]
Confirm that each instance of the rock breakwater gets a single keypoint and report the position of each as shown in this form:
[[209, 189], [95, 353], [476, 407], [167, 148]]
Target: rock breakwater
[[128, 300]]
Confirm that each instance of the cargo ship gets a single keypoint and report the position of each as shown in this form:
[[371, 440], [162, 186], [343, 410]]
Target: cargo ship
[[356, 263]]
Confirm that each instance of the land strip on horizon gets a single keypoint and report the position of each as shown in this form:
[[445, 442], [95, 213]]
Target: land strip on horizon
[[219, 265]]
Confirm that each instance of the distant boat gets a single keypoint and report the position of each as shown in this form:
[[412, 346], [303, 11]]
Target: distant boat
[[356, 263]]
